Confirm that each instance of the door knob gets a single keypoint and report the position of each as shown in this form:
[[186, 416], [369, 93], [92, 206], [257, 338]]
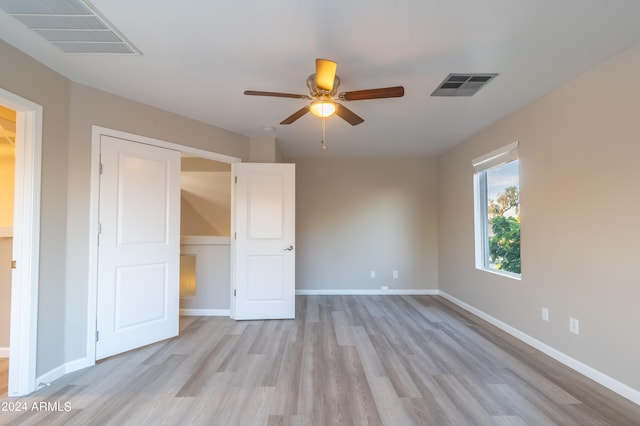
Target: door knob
[[288, 248]]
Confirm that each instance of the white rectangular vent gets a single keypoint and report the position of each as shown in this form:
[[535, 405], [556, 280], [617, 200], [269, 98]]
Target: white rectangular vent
[[462, 84], [73, 26]]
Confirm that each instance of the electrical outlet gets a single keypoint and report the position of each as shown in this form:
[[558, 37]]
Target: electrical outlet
[[545, 314], [373, 274], [395, 274], [574, 326], [384, 288]]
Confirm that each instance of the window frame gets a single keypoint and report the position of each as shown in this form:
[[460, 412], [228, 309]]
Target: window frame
[[481, 165]]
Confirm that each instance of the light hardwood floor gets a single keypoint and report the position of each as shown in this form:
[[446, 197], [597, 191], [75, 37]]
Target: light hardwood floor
[[391, 360]]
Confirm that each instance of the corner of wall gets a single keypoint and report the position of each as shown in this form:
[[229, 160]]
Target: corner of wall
[[263, 149]]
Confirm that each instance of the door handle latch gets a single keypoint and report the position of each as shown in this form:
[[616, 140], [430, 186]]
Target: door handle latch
[[288, 248]]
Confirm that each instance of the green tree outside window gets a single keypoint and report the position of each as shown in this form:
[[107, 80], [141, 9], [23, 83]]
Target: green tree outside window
[[504, 240]]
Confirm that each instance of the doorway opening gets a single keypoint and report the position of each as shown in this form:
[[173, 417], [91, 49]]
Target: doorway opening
[[25, 246], [205, 230], [7, 182]]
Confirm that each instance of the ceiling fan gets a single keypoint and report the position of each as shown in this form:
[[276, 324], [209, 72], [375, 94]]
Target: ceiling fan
[[323, 89]]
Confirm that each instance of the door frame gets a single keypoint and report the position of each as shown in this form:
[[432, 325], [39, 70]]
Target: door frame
[[26, 244], [94, 211]]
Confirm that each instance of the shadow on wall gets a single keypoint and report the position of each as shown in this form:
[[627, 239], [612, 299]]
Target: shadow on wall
[[205, 197]]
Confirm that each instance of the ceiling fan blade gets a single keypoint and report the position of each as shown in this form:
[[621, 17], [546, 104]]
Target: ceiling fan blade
[[293, 117], [347, 115], [383, 92], [325, 74], [276, 94]]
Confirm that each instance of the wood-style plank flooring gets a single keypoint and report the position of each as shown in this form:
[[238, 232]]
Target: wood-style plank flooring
[[353, 360]]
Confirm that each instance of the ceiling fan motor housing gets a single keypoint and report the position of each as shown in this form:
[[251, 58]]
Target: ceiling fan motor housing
[[313, 87]]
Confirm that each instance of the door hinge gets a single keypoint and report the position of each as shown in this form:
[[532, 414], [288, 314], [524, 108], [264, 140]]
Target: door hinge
[[97, 335], [234, 292], [236, 179], [100, 169], [13, 264], [235, 235]]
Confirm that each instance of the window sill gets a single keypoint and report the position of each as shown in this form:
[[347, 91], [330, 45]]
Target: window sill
[[513, 276]]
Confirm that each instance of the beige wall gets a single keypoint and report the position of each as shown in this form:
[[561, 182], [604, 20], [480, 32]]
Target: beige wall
[[31, 80], [264, 149], [579, 149], [192, 222], [212, 274], [354, 215], [69, 112]]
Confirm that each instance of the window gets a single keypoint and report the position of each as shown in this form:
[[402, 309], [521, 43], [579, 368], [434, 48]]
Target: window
[[497, 211]]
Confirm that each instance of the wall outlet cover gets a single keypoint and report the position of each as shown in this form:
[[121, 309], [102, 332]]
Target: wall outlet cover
[[545, 314], [574, 326]]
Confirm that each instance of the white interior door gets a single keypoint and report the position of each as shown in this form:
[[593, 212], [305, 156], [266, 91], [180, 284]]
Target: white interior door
[[263, 247], [139, 245]]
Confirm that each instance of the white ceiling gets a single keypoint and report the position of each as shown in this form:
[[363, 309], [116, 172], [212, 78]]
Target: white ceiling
[[200, 55]]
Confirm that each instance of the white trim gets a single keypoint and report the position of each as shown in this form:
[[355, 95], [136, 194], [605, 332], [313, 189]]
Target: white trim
[[204, 240], [205, 312], [47, 378], [4, 352], [366, 292], [590, 372], [506, 274], [26, 244], [499, 156], [188, 150], [480, 220], [56, 373], [96, 132]]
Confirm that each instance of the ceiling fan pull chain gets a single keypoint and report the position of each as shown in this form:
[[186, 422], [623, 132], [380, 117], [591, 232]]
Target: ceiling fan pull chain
[[324, 133]]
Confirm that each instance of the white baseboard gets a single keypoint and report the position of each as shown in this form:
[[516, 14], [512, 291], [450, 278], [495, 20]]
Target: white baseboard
[[595, 375], [366, 292], [56, 373], [205, 312], [4, 352]]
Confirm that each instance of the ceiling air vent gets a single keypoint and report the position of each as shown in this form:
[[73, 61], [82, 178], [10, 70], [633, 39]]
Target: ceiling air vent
[[73, 26], [462, 84]]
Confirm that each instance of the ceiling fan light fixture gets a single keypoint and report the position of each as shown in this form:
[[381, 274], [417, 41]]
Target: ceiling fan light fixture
[[322, 108]]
